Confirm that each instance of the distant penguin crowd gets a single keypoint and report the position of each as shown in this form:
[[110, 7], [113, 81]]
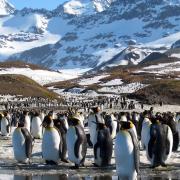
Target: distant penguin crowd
[[66, 137]]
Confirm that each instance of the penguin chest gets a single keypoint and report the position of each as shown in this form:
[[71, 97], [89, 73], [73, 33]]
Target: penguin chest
[[36, 128], [4, 127], [124, 153], [71, 139], [19, 146], [92, 129], [145, 134], [51, 144], [27, 123]]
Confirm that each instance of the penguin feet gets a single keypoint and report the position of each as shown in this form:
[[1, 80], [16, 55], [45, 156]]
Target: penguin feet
[[95, 165], [163, 164], [51, 162], [65, 160], [75, 167]]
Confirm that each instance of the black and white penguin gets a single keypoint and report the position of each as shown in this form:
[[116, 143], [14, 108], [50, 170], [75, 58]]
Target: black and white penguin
[[103, 146], [111, 123], [27, 120], [51, 142], [171, 122], [22, 142], [36, 128], [126, 152], [5, 125], [62, 125], [94, 116], [145, 132], [160, 144], [76, 142]]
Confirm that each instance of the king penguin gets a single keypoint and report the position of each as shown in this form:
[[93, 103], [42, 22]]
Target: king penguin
[[51, 142], [103, 146], [27, 120], [22, 142], [36, 128], [111, 123], [76, 142], [5, 125], [94, 116], [126, 152], [61, 124], [145, 132], [160, 143]]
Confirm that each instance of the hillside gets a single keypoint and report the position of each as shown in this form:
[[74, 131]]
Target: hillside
[[166, 91], [21, 85], [142, 82]]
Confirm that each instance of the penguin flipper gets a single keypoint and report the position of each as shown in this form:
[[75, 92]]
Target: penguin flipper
[[60, 144], [28, 141], [8, 128], [136, 150], [152, 140], [176, 140], [77, 143]]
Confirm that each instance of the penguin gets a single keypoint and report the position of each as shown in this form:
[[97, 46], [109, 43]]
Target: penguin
[[22, 142], [61, 124], [111, 123], [126, 152], [145, 132], [160, 144], [94, 116], [27, 120], [36, 128], [103, 146], [76, 142], [174, 128], [5, 125], [51, 142]]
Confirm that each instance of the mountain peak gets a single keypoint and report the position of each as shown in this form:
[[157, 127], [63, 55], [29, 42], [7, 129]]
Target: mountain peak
[[78, 7], [6, 8]]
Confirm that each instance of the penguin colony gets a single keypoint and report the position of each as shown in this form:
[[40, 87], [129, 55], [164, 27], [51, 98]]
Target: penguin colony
[[64, 138]]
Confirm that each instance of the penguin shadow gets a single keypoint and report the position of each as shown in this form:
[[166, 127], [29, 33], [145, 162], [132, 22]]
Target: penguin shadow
[[41, 177], [4, 137], [37, 154]]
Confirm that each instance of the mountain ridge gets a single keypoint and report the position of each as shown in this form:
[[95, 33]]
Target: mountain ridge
[[58, 39]]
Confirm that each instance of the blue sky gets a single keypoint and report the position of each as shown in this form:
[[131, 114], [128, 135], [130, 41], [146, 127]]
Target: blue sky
[[47, 4]]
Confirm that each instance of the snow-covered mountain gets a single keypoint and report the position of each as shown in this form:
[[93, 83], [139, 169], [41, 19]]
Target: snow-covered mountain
[[6, 8], [90, 33]]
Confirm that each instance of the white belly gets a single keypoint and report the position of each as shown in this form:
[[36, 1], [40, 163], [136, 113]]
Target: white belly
[[71, 139], [18, 142], [145, 134], [50, 145], [124, 155], [4, 123], [27, 123], [36, 128], [92, 129]]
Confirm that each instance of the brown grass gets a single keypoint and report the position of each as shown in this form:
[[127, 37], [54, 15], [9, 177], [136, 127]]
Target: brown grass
[[22, 85], [20, 64]]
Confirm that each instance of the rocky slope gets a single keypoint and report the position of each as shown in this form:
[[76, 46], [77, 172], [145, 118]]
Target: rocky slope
[[90, 34]]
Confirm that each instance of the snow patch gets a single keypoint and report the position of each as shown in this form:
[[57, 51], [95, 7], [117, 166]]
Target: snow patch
[[93, 80], [40, 76], [113, 82]]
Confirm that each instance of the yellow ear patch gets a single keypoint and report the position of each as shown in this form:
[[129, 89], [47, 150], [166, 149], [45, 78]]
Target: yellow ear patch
[[131, 124]]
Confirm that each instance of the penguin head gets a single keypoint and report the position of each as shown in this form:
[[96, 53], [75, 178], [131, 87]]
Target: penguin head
[[124, 125], [20, 124], [100, 126], [74, 120], [47, 122]]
